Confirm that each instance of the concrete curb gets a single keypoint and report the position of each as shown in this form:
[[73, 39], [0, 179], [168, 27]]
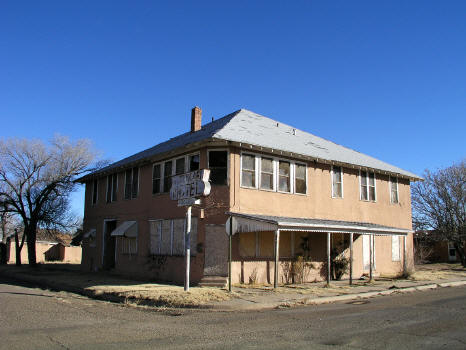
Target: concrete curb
[[111, 297]]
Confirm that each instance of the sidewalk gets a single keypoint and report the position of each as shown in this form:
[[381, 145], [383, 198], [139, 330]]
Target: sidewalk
[[110, 287]]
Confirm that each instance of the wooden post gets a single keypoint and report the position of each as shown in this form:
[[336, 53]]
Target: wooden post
[[351, 260], [188, 249], [405, 262], [277, 253], [371, 278], [229, 253], [328, 259]]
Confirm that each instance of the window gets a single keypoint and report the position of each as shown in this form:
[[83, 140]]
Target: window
[[218, 167], [300, 178], [167, 176], [131, 183], [337, 182], [128, 245], [95, 191], [394, 190], [396, 248], [284, 176], [156, 178], [266, 174], [248, 171], [193, 162], [367, 186], [179, 166], [112, 186]]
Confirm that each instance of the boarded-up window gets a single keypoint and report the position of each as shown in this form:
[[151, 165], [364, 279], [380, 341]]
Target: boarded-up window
[[155, 237], [168, 236], [128, 245], [247, 244], [266, 242], [396, 248]]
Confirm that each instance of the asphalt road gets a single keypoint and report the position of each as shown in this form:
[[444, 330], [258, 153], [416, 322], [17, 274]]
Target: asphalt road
[[32, 318]]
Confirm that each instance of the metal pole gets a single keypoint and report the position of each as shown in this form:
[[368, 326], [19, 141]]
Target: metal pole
[[229, 253], [328, 259], [187, 248], [371, 279], [277, 251], [351, 259]]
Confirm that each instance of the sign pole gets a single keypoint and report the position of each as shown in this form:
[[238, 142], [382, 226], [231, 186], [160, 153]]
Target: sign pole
[[188, 248], [229, 253]]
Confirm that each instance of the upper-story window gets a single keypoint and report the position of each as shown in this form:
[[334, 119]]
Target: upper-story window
[[180, 166], [266, 179], [156, 178], [218, 165], [95, 191], [193, 162], [394, 190], [368, 186], [248, 173], [300, 178], [167, 176], [273, 174], [337, 182], [284, 176], [112, 187], [131, 183]]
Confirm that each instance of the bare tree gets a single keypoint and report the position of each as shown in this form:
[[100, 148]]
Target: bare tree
[[439, 205], [36, 180]]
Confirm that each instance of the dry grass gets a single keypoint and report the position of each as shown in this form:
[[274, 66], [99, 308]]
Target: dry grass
[[429, 272]]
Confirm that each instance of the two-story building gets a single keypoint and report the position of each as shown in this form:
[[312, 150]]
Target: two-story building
[[291, 194]]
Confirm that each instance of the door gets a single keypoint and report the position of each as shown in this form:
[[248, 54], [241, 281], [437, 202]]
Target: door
[[451, 252], [108, 259], [216, 251]]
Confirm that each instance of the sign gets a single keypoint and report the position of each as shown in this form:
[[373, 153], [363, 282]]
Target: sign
[[186, 202], [190, 185]]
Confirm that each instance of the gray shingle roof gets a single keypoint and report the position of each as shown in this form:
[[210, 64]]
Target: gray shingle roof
[[250, 128]]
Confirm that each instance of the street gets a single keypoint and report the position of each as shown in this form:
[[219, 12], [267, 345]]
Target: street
[[33, 318]]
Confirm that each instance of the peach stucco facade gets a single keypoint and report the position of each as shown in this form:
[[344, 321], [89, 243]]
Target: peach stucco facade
[[252, 253]]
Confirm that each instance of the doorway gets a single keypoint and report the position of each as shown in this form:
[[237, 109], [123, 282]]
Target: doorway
[[108, 258]]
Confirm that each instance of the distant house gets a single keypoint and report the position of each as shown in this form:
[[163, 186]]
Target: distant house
[[284, 187], [436, 250]]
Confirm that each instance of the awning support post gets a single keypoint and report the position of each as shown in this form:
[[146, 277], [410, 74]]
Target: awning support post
[[229, 253], [351, 259], [371, 258], [405, 266], [188, 249], [277, 253], [328, 259]]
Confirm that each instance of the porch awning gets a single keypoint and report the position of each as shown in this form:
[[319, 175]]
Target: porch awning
[[126, 229], [258, 223], [90, 233]]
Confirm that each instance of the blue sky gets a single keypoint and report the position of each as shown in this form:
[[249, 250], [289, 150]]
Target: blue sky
[[386, 78]]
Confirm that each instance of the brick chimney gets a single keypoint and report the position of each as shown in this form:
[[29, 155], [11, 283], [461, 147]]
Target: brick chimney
[[196, 118]]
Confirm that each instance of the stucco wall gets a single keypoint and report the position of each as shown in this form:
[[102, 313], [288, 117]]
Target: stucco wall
[[71, 255]]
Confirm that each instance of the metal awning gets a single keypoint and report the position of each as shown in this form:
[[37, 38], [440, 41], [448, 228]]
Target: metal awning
[[126, 229], [90, 233], [257, 223]]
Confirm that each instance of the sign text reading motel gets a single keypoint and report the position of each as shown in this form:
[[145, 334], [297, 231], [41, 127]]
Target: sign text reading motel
[[191, 185]]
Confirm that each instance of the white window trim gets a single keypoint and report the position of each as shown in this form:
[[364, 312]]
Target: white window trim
[[367, 187], [294, 178], [390, 189], [275, 175], [342, 182], [228, 162]]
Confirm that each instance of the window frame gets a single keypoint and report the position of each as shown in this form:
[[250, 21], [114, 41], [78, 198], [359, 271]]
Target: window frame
[[342, 182], [112, 195], [390, 178], [368, 186], [131, 195], [95, 192], [228, 162], [160, 178], [275, 173], [248, 170]]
